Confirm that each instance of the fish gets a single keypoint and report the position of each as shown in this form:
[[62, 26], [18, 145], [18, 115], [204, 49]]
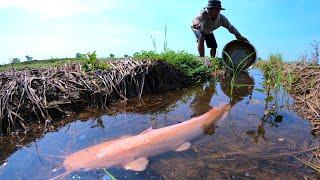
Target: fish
[[133, 152]]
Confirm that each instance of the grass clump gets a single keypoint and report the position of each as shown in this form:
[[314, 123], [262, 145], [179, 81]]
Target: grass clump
[[189, 64], [276, 73], [39, 63]]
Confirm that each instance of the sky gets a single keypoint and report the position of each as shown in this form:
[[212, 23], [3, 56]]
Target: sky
[[61, 28]]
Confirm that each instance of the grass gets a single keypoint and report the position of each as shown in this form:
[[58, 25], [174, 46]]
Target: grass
[[275, 73], [191, 65], [236, 70], [39, 64]]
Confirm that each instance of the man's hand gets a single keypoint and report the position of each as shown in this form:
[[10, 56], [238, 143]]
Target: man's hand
[[196, 26], [241, 38]]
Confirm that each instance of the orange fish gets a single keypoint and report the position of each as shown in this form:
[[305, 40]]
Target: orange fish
[[132, 152]]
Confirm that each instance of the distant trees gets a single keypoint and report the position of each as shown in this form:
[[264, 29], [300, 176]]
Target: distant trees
[[112, 56], [81, 56], [15, 61], [29, 58]]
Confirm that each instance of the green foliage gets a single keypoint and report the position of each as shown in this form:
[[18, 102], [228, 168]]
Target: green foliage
[[93, 63], [189, 64], [216, 63], [147, 55], [277, 74], [53, 62]]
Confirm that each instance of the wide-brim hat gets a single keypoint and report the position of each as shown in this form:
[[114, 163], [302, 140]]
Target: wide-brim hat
[[214, 4]]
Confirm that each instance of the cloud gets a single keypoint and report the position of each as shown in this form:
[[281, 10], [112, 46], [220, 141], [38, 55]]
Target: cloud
[[51, 9]]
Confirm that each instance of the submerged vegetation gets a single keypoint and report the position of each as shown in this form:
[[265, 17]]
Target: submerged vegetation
[[301, 80]]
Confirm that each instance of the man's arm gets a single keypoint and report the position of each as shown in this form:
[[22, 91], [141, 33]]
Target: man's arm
[[225, 23], [197, 21]]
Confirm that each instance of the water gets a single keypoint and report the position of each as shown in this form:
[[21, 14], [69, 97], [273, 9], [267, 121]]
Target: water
[[258, 140]]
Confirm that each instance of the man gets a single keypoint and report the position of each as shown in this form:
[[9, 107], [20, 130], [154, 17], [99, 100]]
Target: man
[[209, 20]]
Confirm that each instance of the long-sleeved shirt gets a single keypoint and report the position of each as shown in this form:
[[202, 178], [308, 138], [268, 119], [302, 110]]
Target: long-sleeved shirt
[[208, 25]]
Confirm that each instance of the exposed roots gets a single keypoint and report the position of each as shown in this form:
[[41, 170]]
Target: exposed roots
[[42, 95]]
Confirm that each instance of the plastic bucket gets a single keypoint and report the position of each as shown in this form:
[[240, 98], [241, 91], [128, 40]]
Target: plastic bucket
[[239, 55]]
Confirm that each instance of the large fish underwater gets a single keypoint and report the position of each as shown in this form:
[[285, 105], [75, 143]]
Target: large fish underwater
[[132, 152]]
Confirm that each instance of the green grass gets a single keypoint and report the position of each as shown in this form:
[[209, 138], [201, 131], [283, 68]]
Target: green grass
[[276, 74], [189, 64], [39, 64], [236, 70]]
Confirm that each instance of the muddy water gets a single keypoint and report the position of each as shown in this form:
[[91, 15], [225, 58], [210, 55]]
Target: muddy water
[[259, 139]]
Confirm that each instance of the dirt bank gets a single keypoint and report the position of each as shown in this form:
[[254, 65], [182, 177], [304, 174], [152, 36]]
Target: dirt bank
[[306, 92], [45, 94]]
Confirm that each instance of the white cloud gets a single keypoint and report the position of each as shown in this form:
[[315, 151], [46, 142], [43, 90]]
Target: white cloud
[[50, 9]]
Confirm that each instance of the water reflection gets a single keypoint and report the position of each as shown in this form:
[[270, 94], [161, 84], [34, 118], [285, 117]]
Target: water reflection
[[238, 87], [243, 86], [248, 145], [201, 101]]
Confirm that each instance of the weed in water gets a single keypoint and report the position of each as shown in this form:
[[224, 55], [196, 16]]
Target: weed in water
[[110, 176], [236, 69]]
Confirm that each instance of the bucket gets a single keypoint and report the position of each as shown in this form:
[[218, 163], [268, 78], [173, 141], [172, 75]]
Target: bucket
[[239, 55]]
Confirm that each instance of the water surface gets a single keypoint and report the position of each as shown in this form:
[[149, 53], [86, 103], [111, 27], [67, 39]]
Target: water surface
[[258, 139]]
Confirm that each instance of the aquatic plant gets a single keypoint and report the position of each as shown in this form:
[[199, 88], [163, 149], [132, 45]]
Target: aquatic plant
[[235, 70], [109, 175]]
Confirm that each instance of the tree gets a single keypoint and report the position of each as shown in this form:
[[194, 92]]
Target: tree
[[29, 58], [112, 56], [15, 61]]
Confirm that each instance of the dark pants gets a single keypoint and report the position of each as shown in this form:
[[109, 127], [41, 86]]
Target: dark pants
[[209, 38]]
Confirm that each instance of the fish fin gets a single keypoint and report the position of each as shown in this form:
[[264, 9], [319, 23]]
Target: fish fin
[[183, 147], [147, 130], [139, 164]]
